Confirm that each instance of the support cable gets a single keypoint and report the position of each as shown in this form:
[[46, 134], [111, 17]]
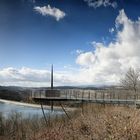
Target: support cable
[[64, 111], [44, 114]]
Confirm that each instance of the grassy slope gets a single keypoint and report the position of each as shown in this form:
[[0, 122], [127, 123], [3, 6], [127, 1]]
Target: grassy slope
[[97, 123]]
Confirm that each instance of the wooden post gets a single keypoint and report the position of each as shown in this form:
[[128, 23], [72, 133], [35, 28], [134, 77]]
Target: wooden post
[[40, 93], [76, 95], [51, 105], [66, 94], [89, 95], [103, 98], [118, 99], [126, 98], [95, 96], [82, 103], [70, 94], [103, 95], [82, 95]]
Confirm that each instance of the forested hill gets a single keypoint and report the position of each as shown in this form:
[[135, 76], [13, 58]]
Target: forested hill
[[14, 93]]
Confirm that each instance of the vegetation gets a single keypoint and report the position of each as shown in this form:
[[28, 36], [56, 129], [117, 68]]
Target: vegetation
[[14, 93], [97, 122], [92, 122], [131, 80]]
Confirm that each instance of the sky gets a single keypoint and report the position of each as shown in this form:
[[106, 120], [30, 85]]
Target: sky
[[89, 42]]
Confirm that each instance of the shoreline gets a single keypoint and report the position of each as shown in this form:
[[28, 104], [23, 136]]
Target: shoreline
[[34, 105]]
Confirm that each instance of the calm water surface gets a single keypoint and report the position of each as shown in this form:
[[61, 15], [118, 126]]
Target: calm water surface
[[8, 108]]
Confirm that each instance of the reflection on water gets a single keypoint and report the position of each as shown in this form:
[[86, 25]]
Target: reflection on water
[[8, 108]]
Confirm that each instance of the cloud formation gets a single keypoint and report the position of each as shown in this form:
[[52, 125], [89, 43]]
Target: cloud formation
[[99, 3], [50, 11], [34, 77], [106, 63], [111, 30]]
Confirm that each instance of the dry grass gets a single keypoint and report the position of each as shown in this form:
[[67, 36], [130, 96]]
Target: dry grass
[[96, 123], [17, 128]]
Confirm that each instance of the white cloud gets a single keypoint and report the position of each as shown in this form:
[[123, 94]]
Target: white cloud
[[103, 65], [79, 51], [50, 11], [34, 77], [23, 76], [85, 59], [108, 62], [111, 30], [99, 3]]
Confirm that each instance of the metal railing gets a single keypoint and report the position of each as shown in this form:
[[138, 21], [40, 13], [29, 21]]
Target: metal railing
[[80, 94]]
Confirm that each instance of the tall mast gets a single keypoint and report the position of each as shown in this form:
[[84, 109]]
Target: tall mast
[[52, 77]]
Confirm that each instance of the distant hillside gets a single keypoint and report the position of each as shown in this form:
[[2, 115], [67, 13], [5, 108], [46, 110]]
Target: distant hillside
[[87, 87], [14, 93], [23, 93]]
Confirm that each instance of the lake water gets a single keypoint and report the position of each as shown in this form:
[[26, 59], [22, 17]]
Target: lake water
[[8, 108]]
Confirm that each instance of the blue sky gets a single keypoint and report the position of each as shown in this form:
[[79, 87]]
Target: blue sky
[[33, 40]]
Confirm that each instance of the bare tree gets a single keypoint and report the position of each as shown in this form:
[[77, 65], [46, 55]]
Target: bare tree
[[131, 80]]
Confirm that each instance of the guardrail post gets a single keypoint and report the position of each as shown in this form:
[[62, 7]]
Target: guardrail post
[[82, 95], [89, 95], [126, 99], [40, 93], [66, 94], [82, 102], [95, 96], [103, 102], [118, 99], [70, 95]]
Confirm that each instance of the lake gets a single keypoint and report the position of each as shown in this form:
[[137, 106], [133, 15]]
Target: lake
[[8, 108]]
